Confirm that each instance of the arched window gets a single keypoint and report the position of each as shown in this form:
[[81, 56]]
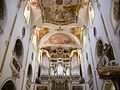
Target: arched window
[[23, 32], [39, 71], [81, 71], [1, 10], [32, 55], [2, 15], [94, 31], [29, 73], [99, 48], [86, 56], [18, 50], [90, 71], [9, 85]]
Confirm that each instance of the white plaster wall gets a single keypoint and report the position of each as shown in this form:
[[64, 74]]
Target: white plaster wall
[[11, 10], [17, 33], [106, 11], [27, 63]]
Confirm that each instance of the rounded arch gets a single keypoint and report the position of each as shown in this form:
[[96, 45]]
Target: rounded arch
[[9, 85], [29, 73], [90, 71], [18, 50], [99, 48]]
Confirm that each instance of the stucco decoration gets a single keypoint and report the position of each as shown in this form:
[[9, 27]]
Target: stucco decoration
[[60, 12], [42, 31], [59, 38], [77, 31]]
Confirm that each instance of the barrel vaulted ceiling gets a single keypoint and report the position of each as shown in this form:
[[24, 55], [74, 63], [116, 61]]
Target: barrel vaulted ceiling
[[67, 17], [58, 30]]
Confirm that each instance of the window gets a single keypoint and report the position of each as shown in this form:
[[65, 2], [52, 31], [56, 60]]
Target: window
[[29, 77], [39, 71], [29, 74], [32, 56], [86, 56], [2, 15], [18, 50], [1, 9], [9, 85], [94, 31], [23, 32], [99, 48], [81, 71], [90, 71]]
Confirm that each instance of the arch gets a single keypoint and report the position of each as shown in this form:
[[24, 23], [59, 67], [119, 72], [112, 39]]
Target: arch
[[18, 50], [29, 73], [9, 85], [99, 48], [90, 71]]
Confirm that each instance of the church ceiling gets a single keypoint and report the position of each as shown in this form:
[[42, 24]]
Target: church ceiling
[[60, 12]]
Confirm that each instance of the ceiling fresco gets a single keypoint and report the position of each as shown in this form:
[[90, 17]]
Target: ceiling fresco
[[42, 31], [60, 12], [77, 31], [59, 38]]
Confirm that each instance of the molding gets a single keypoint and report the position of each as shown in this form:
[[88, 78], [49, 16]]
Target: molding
[[8, 79], [7, 46]]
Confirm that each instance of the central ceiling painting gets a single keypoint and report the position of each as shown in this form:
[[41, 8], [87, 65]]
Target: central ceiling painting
[[60, 12]]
